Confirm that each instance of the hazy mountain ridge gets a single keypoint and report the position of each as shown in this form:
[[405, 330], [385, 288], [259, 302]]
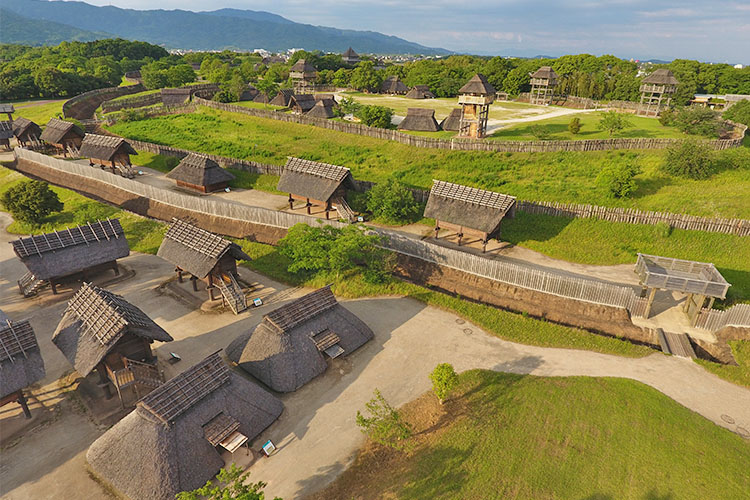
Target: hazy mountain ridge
[[216, 30], [17, 28]]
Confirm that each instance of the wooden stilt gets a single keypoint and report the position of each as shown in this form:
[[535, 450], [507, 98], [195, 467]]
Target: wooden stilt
[[195, 283], [308, 206], [291, 202], [686, 306], [24, 405], [650, 303]]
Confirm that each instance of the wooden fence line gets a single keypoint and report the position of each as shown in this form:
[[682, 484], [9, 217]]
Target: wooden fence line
[[713, 320], [131, 102], [69, 106]]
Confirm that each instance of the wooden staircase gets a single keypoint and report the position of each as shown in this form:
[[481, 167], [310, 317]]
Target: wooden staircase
[[344, 210], [677, 344], [142, 377], [30, 284], [232, 292]]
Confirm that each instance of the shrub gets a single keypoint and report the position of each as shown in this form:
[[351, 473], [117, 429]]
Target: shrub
[[231, 484], [225, 95], [327, 249], [731, 159], [375, 116], [31, 201], [392, 202], [385, 424], [666, 117], [739, 113], [690, 159], [697, 120], [613, 122], [349, 106], [132, 115], [574, 125], [444, 380], [618, 179]]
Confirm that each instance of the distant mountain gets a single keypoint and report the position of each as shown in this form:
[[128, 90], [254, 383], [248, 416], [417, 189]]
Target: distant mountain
[[217, 30], [20, 29]]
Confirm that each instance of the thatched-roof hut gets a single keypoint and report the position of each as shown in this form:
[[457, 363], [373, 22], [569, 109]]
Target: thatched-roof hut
[[283, 98], [21, 362], [286, 350], [392, 85], [661, 77], [57, 256], [108, 151], [27, 132], [318, 184], [419, 119], [102, 331], [420, 92], [171, 442], [64, 136], [8, 109], [262, 98], [323, 109], [249, 93], [175, 96], [6, 132], [350, 57], [200, 173], [452, 122], [468, 210], [208, 258], [301, 103]]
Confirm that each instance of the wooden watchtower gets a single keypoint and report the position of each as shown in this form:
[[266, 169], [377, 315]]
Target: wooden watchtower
[[656, 92], [543, 83], [475, 98], [303, 74]]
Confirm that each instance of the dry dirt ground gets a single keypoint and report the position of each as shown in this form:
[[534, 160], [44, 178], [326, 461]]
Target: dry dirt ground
[[316, 435]]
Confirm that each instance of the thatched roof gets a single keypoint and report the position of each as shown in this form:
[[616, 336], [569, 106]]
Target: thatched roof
[[302, 102], [249, 93], [302, 66], [199, 170], [196, 250], [545, 72], [285, 351], [350, 53], [56, 129], [468, 207], [262, 98], [661, 77], [452, 122], [6, 129], [392, 85], [104, 147], [312, 179], [21, 361], [478, 85], [323, 109], [420, 92], [7, 107], [61, 253], [23, 126], [421, 119], [283, 97], [168, 443], [95, 321]]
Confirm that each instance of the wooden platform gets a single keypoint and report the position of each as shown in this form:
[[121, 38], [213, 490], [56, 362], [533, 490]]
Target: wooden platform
[[677, 344]]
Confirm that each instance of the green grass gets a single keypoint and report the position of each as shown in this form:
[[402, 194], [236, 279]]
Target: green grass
[[38, 112], [257, 105], [155, 161], [563, 177], [558, 128], [137, 94], [144, 235], [506, 436], [739, 374], [597, 242]]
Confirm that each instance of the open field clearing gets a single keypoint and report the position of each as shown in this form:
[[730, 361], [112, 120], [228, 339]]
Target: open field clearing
[[563, 177], [38, 112], [524, 437]]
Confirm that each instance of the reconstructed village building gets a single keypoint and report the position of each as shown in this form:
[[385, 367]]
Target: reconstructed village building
[[317, 184], [174, 438], [452, 122], [303, 75], [108, 151], [420, 92], [6, 133], [350, 57], [419, 119], [65, 137], [392, 85], [289, 347], [27, 132], [200, 173], [475, 98], [21, 363], [657, 90]]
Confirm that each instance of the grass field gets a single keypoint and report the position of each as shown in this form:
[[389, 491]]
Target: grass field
[[564, 177], [137, 94], [257, 105], [505, 436], [558, 128], [38, 112]]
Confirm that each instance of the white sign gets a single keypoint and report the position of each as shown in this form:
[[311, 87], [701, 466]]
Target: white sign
[[257, 302], [268, 448]]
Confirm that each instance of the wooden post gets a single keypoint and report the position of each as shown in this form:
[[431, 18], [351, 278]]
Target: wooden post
[[308, 205], [115, 268], [484, 243], [328, 207], [711, 303], [437, 228], [460, 237], [686, 307], [291, 202], [104, 381], [24, 406], [650, 303], [54, 286], [179, 275], [195, 283]]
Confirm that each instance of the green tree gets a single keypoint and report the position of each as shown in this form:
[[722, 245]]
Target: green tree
[[267, 87], [231, 486], [574, 125], [392, 202], [739, 113], [31, 201], [697, 120], [375, 116], [349, 106], [342, 77], [540, 132], [364, 77], [385, 425], [618, 179], [180, 74], [444, 380], [690, 158], [666, 117], [613, 122]]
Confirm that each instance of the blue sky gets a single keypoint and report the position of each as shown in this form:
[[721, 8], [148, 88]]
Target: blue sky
[[714, 30]]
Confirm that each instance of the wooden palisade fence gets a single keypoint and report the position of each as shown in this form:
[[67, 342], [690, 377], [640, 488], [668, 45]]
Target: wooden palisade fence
[[713, 319]]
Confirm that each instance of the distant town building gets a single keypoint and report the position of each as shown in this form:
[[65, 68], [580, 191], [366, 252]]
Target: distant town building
[[350, 57]]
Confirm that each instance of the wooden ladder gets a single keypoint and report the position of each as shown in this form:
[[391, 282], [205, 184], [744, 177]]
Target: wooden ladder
[[232, 292], [344, 210], [29, 284]]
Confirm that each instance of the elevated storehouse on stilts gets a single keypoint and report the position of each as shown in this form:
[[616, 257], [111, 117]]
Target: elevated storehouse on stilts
[[70, 254], [27, 132], [65, 137], [468, 211], [200, 173], [6, 133], [108, 151], [317, 184], [290, 346], [21, 363]]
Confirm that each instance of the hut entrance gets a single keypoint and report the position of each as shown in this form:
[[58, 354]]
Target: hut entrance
[[223, 431], [328, 342]]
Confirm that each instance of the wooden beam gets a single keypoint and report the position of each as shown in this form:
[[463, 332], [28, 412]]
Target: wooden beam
[[650, 303]]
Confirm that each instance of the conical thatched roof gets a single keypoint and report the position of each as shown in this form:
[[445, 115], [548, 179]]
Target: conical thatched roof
[[285, 351], [302, 66], [392, 85], [21, 362], [661, 77], [302, 103], [545, 72], [350, 53], [283, 97], [57, 129], [478, 85], [419, 119], [168, 444], [420, 92], [452, 122], [312, 179], [104, 147], [322, 109], [199, 170], [468, 207], [95, 321]]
